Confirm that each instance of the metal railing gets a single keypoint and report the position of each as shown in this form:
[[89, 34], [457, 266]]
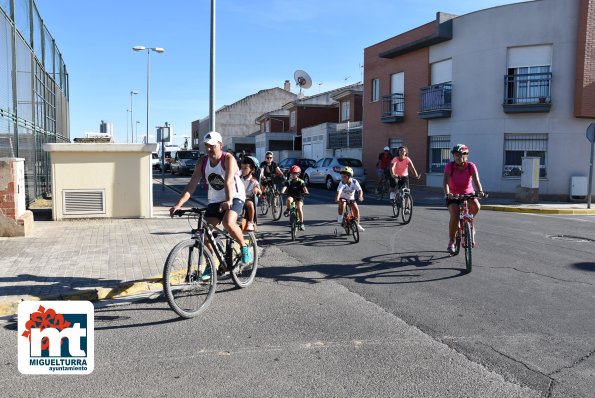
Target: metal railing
[[393, 106], [436, 97], [527, 88]]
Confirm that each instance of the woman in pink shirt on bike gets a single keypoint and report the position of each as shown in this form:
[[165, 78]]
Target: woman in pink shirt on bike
[[459, 178]]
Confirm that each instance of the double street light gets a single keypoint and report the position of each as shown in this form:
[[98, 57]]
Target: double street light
[[158, 50]]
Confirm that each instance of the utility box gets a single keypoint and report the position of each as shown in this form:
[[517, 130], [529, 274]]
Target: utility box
[[530, 172], [578, 188]]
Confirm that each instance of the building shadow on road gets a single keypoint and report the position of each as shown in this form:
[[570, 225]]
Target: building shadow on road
[[44, 286]]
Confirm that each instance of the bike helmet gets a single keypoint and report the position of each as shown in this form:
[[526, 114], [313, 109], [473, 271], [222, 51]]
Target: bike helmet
[[347, 170], [462, 148], [251, 160], [295, 169], [386, 148]]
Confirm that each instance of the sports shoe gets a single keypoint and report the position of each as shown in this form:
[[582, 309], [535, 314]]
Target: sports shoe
[[340, 219], [286, 213], [301, 227], [360, 228], [206, 274], [392, 196], [407, 212], [451, 247], [247, 255], [250, 226]]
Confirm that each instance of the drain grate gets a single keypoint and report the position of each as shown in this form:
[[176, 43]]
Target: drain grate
[[570, 238]]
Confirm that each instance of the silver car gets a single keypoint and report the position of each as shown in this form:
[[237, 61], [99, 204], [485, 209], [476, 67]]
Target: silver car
[[327, 171], [184, 162]]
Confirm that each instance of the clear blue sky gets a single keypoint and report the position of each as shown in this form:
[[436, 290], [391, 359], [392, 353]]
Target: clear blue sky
[[260, 43]]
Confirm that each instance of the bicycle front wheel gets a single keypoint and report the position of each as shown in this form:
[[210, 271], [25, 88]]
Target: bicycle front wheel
[[264, 205], [354, 230], [189, 286], [243, 274], [276, 206], [396, 208], [407, 208], [468, 247]]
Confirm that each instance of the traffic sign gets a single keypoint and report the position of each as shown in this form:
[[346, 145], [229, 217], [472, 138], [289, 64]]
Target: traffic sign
[[591, 132]]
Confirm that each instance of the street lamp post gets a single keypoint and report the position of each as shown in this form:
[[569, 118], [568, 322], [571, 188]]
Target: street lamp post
[[158, 50], [131, 124], [132, 132], [137, 122]]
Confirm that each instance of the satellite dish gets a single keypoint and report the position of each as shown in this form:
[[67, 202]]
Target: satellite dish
[[303, 80]]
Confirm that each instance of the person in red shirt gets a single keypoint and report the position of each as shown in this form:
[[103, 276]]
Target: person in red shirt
[[383, 165], [459, 178]]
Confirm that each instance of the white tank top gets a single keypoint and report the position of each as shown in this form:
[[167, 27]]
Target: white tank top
[[215, 177]]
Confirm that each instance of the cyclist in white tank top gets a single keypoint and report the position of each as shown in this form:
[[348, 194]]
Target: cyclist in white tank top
[[226, 191]]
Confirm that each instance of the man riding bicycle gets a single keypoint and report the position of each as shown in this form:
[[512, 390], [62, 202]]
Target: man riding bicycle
[[268, 170], [226, 194]]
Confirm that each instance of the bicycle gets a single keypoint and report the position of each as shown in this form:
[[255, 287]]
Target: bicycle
[[294, 218], [271, 198], [349, 222], [189, 280], [466, 234], [382, 187], [403, 204]]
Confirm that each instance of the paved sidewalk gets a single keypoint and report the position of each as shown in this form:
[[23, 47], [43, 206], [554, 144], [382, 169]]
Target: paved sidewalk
[[100, 259]]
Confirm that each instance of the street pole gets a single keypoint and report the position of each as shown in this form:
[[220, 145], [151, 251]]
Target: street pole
[[126, 126], [590, 176], [212, 79], [148, 77]]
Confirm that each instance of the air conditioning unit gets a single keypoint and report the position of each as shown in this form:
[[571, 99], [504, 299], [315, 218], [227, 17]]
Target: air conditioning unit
[[578, 188]]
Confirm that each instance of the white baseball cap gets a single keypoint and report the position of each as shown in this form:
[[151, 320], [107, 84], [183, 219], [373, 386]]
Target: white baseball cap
[[386, 148], [213, 138]]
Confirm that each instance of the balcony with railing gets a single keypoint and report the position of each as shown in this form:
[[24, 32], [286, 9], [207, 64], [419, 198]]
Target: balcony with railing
[[527, 92], [393, 108], [436, 101]]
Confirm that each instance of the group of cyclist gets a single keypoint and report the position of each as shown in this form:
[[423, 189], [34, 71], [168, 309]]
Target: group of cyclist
[[230, 188]]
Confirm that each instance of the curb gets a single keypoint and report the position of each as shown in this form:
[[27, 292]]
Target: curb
[[9, 306], [513, 209]]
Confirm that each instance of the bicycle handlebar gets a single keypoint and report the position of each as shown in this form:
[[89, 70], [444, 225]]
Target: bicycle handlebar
[[483, 195], [193, 210]]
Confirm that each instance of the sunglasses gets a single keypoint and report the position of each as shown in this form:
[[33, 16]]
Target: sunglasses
[[461, 153], [268, 157]]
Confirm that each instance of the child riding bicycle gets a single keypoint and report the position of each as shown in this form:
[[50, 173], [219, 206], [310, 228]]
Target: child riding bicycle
[[399, 171], [296, 189], [249, 164], [345, 192]]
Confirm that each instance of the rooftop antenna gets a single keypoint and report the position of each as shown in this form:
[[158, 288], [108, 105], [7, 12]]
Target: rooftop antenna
[[302, 80]]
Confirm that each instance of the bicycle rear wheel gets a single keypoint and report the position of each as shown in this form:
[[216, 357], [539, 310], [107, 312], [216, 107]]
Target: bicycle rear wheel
[[243, 274], [407, 210], [264, 205], [276, 206], [468, 247], [188, 287], [292, 225], [354, 230]]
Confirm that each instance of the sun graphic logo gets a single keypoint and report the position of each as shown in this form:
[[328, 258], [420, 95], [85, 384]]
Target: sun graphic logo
[[56, 337]]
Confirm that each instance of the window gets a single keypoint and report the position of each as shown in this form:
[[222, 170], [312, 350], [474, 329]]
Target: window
[[267, 126], [327, 161], [517, 146], [344, 111], [529, 75], [292, 119], [393, 144], [439, 153], [375, 90]]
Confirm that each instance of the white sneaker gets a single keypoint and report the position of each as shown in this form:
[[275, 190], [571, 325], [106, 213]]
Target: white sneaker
[[360, 228], [340, 219], [392, 196], [250, 226]]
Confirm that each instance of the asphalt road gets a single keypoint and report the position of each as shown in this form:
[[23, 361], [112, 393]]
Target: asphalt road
[[391, 316]]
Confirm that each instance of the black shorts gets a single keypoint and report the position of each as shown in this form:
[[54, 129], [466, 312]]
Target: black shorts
[[453, 201], [399, 182], [297, 198], [213, 209]]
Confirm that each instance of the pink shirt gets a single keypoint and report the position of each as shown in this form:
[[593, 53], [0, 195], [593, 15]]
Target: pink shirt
[[400, 167], [461, 181]]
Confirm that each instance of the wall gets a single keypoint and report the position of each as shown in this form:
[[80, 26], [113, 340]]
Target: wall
[[122, 170]]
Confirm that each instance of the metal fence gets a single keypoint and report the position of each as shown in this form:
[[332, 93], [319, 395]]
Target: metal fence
[[33, 93]]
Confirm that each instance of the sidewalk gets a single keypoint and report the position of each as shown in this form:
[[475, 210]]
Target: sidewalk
[[100, 259]]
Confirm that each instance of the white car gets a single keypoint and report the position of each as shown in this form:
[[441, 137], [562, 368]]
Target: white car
[[327, 171]]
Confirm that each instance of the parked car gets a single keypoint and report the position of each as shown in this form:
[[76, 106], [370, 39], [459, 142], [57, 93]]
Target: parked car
[[327, 171], [304, 163], [184, 162], [155, 161]]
